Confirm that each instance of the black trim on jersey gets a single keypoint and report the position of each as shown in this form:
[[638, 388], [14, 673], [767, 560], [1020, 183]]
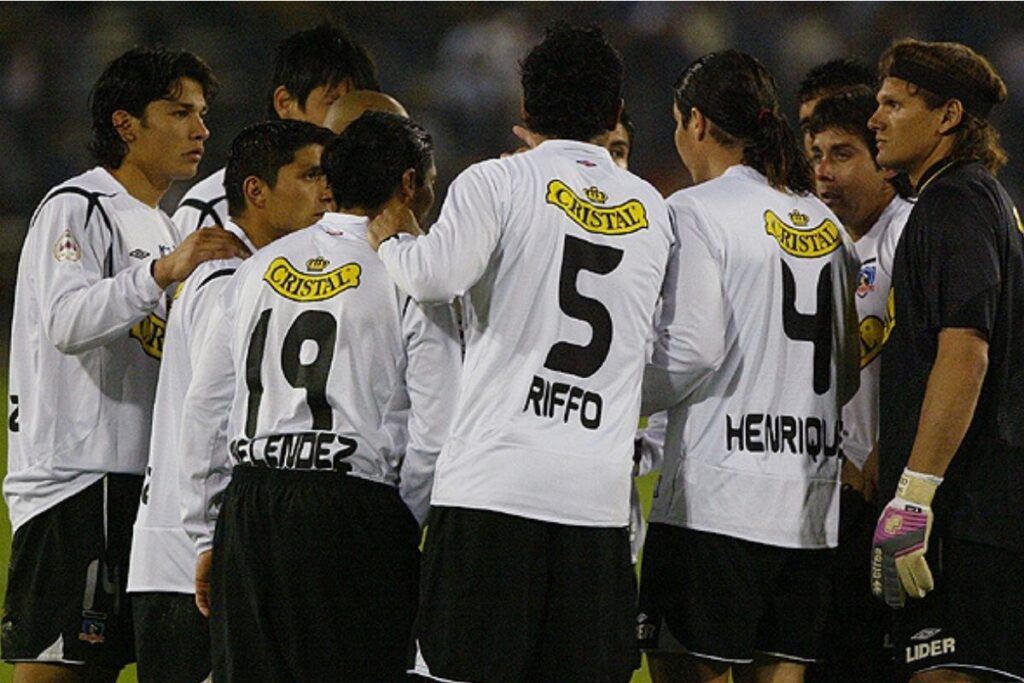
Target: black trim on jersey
[[214, 276], [405, 306], [93, 199], [205, 209]]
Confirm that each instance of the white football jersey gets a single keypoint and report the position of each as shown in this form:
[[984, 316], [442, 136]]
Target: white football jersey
[[86, 341], [204, 205], [562, 254], [875, 250], [327, 366], [753, 450], [162, 556]]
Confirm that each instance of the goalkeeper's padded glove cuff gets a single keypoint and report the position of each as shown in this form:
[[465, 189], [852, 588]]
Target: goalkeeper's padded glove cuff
[[917, 487]]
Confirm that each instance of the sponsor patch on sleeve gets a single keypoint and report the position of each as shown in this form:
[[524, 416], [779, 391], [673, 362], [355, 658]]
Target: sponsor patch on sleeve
[[66, 247], [291, 283]]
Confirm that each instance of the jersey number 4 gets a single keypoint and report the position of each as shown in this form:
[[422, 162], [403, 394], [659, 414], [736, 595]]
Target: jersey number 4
[[815, 328], [583, 361], [316, 326]]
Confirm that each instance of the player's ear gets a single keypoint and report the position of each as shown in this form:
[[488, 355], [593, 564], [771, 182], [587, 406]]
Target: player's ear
[[286, 106], [409, 185], [700, 122], [952, 116], [125, 125], [255, 191]]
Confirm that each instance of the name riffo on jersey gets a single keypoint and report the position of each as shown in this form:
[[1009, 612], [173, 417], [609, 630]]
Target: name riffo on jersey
[[766, 433], [291, 283], [150, 333], [623, 219], [565, 402], [797, 240]]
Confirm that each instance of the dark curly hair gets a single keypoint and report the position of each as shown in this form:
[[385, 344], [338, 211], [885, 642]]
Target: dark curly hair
[[133, 80], [261, 150], [572, 83], [365, 163], [834, 76], [320, 56], [739, 96]]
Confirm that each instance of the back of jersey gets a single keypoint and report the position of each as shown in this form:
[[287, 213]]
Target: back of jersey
[[576, 250], [318, 353], [754, 451]]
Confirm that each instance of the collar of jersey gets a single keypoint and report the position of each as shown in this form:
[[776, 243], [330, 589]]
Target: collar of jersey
[[576, 147], [744, 171], [109, 184], [934, 171], [344, 222], [236, 229]]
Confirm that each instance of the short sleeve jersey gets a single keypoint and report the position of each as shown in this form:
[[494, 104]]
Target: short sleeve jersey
[[960, 264], [326, 365], [204, 205], [86, 341], [753, 451], [162, 555], [562, 255], [876, 251]]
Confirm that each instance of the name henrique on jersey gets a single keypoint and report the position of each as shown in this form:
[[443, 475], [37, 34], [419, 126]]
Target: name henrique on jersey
[[326, 366], [754, 451], [204, 205], [562, 255], [162, 555], [86, 342], [876, 251]]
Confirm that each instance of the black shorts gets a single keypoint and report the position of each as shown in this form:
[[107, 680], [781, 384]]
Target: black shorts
[[727, 599], [314, 578], [973, 620], [857, 646], [172, 638], [509, 599], [66, 600]]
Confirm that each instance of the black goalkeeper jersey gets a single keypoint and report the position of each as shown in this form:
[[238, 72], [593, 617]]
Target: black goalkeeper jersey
[[960, 263]]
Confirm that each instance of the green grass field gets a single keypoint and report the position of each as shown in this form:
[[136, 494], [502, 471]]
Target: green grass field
[[646, 485]]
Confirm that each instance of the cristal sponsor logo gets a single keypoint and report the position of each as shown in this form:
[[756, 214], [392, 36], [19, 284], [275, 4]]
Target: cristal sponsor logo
[[934, 648], [293, 284], [595, 195], [872, 335], [66, 248], [623, 219], [800, 242], [317, 264], [150, 333]]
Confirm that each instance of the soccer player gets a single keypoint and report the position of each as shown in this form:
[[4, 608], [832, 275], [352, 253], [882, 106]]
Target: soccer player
[[862, 195], [312, 69], [755, 354], [527, 572], [355, 103], [829, 78], [952, 413], [89, 320], [275, 185], [339, 390]]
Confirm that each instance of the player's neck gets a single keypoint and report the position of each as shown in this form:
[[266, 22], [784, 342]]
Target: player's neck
[[717, 160], [858, 228], [260, 233], [147, 187], [941, 151]]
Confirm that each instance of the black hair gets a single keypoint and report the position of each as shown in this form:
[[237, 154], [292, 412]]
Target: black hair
[[320, 56], [261, 150], [572, 83], [834, 76], [364, 165], [130, 82], [627, 122], [849, 112], [738, 95]]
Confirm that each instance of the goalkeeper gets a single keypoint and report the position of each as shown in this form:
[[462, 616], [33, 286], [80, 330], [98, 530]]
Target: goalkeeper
[[952, 408]]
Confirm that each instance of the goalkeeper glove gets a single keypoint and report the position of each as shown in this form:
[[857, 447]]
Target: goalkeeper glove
[[898, 566]]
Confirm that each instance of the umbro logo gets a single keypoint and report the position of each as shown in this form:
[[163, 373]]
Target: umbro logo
[[139, 253]]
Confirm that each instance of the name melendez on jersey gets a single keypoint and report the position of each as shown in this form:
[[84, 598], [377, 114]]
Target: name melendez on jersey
[[292, 283]]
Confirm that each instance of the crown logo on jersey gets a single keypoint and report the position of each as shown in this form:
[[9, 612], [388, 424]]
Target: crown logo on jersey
[[316, 264], [797, 240], [595, 195], [623, 219]]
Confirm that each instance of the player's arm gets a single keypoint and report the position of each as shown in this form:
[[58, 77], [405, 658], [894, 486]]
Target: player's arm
[[444, 263], [690, 333], [432, 381]]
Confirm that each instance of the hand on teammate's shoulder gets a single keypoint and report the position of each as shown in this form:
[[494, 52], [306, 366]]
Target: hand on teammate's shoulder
[[205, 244]]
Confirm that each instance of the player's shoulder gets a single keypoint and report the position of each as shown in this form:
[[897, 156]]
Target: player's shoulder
[[209, 189], [89, 195]]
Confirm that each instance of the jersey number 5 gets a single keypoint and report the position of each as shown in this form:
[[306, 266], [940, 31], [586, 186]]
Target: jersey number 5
[[583, 361], [316, 326]]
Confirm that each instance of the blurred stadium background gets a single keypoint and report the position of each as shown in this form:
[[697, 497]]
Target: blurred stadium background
[[454, 65]]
